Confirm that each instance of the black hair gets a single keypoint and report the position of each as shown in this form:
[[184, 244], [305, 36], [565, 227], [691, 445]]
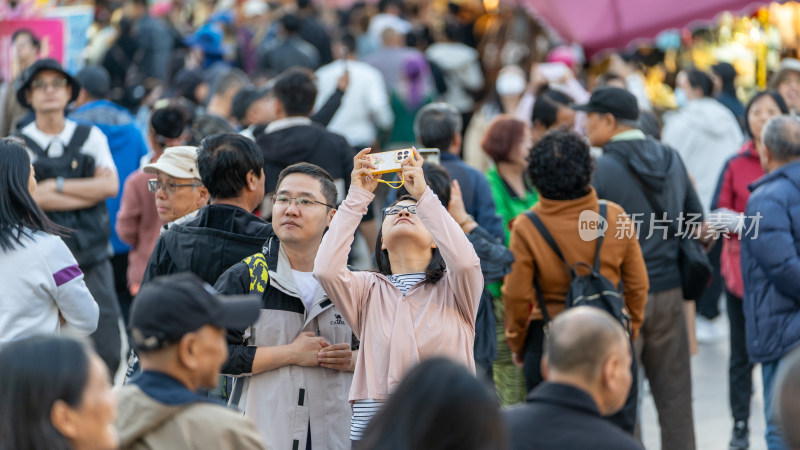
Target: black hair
[[436, 125], [19, 213], [383, 5], [170, 121], [727, 74], [296, 91], [437, 178], [37, 372], [291, 23], [545, 109], [700, 80], [433, 273], [349, 41], [25, 31], [452, 30], [777, 97], [303, 4], [560, 166], [438, 405], [327, 185], [224, 160]]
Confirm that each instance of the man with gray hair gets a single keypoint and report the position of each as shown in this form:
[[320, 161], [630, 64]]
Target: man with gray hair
[[439, 125], [587, 367], [771, 260]]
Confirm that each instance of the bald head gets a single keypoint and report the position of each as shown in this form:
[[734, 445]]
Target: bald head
[[580, 340], [787, 398]]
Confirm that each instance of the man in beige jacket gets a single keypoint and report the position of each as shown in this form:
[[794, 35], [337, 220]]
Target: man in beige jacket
[[178, 328]]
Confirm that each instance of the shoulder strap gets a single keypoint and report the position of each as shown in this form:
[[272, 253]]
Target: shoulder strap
[[40, 152], [79, 137], [259, 272], [537, 222], [603, 213]]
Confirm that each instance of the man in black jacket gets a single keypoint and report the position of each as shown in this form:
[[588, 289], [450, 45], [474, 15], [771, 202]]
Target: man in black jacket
[[663, 343], [225, 231], [587, 368]]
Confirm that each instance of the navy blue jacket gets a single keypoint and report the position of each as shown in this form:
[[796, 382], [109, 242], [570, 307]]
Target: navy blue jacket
[[477, 194], [771, 265]]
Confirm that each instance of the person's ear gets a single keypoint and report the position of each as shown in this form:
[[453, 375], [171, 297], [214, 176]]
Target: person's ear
[[383, 244], [63, 419], [204, 196], [331, 213], [457, 141], [188, 351], [254, 180]]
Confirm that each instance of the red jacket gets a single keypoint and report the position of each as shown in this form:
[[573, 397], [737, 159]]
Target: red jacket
[[738, 173]]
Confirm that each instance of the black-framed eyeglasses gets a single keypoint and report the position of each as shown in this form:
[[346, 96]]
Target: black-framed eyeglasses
[[154, 185], [44, 84], [301, 202], [392, 210]]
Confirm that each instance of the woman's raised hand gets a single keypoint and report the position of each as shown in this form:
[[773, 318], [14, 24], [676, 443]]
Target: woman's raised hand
[[413, 176], [362, 172]]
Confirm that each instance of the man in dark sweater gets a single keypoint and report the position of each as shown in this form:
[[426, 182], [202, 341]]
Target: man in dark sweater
[[587, 368], [663, 343]]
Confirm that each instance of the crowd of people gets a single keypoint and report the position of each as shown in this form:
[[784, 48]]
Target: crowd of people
[[199, 251]]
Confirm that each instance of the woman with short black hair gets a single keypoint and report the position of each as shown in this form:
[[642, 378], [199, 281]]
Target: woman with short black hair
[[43, 287]]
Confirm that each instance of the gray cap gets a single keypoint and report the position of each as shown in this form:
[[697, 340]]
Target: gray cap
[[95, 80]]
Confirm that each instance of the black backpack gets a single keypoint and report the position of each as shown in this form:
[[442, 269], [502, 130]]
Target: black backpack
[[88, 240], [592, 289]]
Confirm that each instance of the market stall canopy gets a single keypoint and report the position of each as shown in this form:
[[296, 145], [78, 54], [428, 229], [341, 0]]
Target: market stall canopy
[[607, 24]]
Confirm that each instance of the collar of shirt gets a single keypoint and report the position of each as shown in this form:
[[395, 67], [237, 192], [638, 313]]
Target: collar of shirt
[[630, 135], [289, 122], [44, 140], [167, 390]]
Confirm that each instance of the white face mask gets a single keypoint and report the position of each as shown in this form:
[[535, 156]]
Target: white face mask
[[680, 97], [510, 83]]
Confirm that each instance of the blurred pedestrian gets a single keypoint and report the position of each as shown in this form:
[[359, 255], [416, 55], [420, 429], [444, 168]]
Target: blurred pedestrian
[[787, 398], [786, 80], [770, 261], [587, 367], [632, 163], [290, 50], [138, 222], [127, 148], [732, 195], [178, 188], [38, 298], [724, 77], [507, 142], [55, 393], [365, 110], [178, 326], [75, 174], [423, 256], [26, 47], [438, 405]]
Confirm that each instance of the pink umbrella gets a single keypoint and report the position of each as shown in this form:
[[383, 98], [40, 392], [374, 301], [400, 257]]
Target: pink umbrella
[[605, 24]]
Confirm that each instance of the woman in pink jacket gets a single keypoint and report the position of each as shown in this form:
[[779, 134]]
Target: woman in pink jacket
[[424, 299]]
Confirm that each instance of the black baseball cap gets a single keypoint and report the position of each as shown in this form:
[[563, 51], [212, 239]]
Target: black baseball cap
[[171, 306], [612, 100], [95, 80], [40, 66]]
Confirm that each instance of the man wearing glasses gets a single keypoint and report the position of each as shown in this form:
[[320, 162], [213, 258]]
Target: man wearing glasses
[[178, 188], [75, 174], [294, 365]]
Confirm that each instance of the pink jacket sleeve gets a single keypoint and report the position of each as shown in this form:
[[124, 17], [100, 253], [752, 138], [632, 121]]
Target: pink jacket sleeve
[[348, 290], [130, 213], [463, 266]]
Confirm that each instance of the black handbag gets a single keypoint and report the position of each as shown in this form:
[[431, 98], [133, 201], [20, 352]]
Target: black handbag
[[693, 263]]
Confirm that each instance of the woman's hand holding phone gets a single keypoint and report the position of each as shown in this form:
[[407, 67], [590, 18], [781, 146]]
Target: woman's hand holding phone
[[362, 175], [413, 176]]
